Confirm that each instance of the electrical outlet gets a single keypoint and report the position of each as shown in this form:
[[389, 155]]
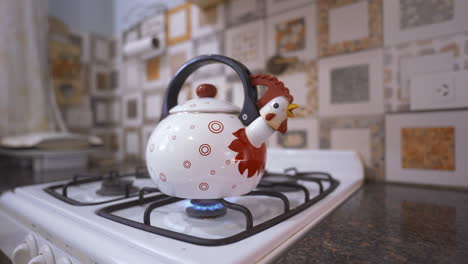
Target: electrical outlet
[[442, 89], [439, 90], [411, 67]]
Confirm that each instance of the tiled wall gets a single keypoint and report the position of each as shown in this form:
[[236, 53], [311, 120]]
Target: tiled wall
[[350, 64]]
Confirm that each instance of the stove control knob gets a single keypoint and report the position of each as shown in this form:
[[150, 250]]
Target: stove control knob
[[25, 251], [46, 256]]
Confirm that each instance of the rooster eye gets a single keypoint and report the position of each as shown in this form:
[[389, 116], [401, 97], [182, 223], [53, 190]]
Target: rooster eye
[[276, 105]]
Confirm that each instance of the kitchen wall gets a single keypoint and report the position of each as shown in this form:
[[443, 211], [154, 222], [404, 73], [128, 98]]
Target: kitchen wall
[[128, 13], [86, 15], [392, 89]]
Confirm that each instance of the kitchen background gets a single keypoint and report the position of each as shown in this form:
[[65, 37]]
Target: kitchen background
[[384, 78]]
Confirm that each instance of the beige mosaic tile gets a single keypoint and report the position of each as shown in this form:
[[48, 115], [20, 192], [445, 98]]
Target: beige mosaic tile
[[291, 35], [325, 48], [388, 92], [430, 148], [176, 61], [85, 78], [417, 13], [132, 144], [375, 124], [293, 139], [427, 51], [187, 28], [57, 26]]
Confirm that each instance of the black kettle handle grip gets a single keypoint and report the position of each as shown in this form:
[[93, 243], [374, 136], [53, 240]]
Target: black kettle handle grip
[[249, 110]]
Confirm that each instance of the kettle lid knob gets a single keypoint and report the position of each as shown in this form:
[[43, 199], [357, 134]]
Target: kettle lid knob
[[206, 90]]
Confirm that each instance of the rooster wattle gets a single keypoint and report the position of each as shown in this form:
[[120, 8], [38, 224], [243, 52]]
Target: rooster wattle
[[275, 107]]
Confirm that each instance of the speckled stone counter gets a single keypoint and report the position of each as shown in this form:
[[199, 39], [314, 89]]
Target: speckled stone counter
[[387, 223]]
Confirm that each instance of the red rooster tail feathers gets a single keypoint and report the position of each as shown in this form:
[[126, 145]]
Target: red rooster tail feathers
[[248, 156]]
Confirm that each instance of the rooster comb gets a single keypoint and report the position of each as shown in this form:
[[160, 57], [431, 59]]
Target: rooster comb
[[275, 88]]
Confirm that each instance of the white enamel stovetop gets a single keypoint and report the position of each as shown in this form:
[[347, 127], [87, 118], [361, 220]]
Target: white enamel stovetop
[[77, 233]]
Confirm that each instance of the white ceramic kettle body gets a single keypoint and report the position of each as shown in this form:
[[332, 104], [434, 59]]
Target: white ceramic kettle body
[[188, 156]]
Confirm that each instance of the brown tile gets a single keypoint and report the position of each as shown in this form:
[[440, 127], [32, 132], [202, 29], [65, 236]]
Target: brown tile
[[426, 52], [388, 92], [453, 47], [387, 75], [152, 69], [428, 148], [132, 110], [102, 81], [208, 16], [424, 42], [177, 60]]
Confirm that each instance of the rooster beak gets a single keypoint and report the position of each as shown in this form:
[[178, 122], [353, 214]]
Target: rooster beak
[[290, 108]]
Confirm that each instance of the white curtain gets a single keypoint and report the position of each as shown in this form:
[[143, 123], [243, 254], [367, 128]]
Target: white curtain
[[25, 98]]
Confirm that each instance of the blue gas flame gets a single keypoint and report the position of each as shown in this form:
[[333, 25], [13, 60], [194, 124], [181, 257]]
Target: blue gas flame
[[211, 207]]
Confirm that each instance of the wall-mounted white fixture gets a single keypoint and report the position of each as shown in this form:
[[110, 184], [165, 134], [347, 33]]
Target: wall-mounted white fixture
[[439, 90], [412, 66], [155, 45]]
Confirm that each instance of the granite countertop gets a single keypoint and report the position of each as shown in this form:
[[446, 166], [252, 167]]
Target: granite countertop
[[389, 223]]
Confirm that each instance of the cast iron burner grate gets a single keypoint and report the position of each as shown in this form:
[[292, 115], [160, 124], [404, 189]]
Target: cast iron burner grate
[[267, 187], [113, 186], [60, 191]]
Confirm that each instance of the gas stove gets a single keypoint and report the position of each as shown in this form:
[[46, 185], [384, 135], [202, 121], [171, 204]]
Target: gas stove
[[123, 218]]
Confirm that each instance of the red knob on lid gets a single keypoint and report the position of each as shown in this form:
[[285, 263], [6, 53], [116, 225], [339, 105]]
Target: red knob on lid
[[206, 90]]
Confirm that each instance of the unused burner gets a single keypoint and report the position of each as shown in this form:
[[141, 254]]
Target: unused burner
[[269, 181], [279, 178], [114, 186], [205, 209]]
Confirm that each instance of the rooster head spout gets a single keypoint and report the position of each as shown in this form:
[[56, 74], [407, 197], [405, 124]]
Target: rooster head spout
[[276, 104]]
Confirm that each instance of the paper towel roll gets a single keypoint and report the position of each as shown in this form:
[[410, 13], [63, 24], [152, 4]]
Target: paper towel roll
[[140, 46]]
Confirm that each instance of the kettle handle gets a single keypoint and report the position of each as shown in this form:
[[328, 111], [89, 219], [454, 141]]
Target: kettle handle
[[249, 110]]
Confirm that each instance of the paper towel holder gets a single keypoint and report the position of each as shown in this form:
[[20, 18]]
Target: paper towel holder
[[141, 47]]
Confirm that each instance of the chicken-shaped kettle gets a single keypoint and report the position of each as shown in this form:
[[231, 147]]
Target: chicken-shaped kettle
[[210, 149]]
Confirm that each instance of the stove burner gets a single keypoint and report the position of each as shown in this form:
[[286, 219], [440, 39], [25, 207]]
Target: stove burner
[[114, 186], [278, 182], [60, 191], [205, 209]]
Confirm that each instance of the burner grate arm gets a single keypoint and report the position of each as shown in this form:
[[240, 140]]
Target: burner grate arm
[[164, 201], [242, 209], [273, 194], [144, 190]]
